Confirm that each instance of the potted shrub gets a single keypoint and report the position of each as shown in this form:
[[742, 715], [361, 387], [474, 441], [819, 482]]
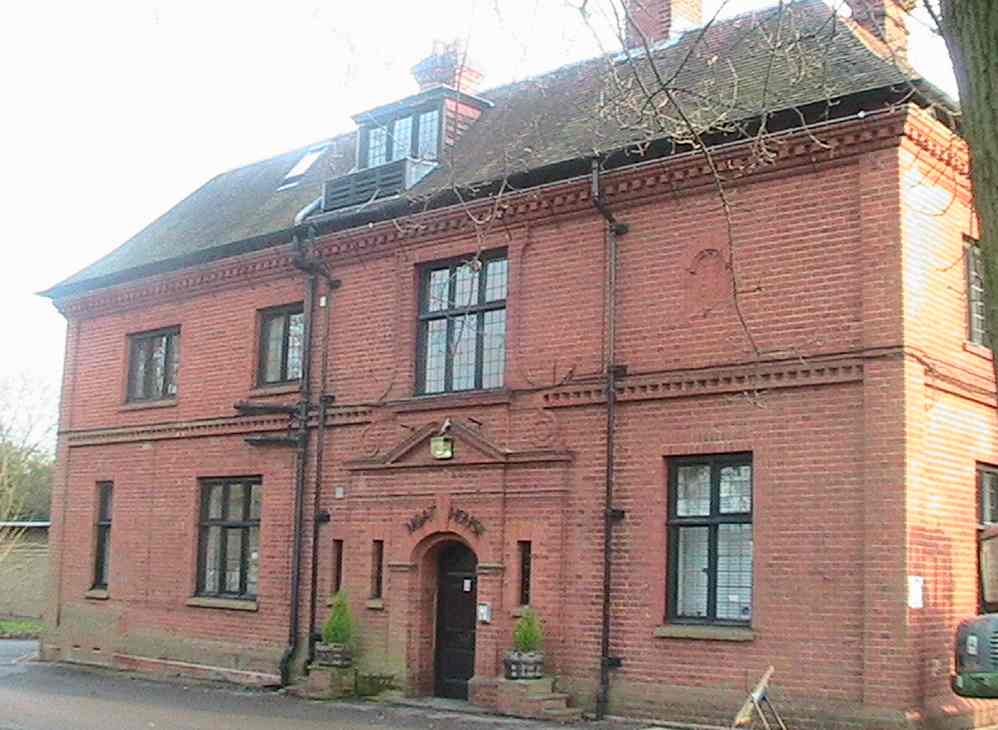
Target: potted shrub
[[336, 647], [526, 661]]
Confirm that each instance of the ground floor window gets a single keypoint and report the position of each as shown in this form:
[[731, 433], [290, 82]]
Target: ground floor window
[[229, 545], [102, 560], [710, 539]]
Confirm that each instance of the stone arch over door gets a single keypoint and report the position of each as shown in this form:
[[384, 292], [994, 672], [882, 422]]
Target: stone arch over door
[[424, 587]]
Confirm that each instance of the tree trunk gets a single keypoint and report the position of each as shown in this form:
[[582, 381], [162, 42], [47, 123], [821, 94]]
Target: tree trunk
[[970, 29]]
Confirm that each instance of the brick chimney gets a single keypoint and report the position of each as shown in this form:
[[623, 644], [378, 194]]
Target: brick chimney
[[448, 65], [885, 21], [658, 20]]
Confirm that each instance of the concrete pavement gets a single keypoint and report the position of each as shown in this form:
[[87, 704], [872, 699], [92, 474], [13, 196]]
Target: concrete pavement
[[35, 696]]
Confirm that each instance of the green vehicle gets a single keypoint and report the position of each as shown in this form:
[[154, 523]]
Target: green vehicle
[[977, 638]]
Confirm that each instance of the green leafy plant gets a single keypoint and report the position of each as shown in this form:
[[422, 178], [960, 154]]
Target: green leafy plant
[[528, 635], [338, 628]]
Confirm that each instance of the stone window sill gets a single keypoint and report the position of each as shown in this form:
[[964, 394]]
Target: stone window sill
[[376, 604], [97, 594], [980, 350], [493, 396], [142, 405], [233, 604], [706, 633], [519, 611], [261, 391]]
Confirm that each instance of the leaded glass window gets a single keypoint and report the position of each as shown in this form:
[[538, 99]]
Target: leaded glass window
[[710, 539], [429, 132], [463, 324], [282, 337], [229, 545], [154, 358], [377, 146], [402, 138]]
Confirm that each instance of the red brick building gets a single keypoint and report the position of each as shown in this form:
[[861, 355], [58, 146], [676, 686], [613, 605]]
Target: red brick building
[[516, 353]]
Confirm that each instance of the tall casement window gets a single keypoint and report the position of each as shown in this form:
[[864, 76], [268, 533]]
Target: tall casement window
[[102, 562], [976, 297], [710, 539], [987, 489], [282, 337], [462, 342], [229, 546], [154, 358]]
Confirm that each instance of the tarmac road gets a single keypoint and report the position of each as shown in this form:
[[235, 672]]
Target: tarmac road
[[36, 696]]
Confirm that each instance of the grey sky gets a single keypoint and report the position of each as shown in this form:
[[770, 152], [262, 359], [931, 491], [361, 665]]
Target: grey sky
[[117, 110]]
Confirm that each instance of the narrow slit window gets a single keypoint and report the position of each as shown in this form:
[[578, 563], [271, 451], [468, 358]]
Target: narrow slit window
[[377, 568], [524, 550], [337, 565], [102, 561]]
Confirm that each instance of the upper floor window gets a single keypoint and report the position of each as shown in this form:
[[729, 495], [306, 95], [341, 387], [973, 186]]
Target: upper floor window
[[282, 334], [710, 539], [462, 342], [153, 361], [413, 135], [229, 543], [402, 138], [429, 133], [987, 488], [976, 296]]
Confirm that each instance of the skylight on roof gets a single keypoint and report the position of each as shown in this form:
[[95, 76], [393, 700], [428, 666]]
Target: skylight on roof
[[296, 173]]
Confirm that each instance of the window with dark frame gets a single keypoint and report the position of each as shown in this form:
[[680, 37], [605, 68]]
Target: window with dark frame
[[524, 550], [987, 553], [282, 336], [377, 568], [102, 559], [229, 544], [462, 342], [976, 296], [153, 361], [337, 565], [710, 539], [413, 134]]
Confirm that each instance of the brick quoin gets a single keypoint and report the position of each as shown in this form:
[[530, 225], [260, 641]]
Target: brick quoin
[[865, 415]]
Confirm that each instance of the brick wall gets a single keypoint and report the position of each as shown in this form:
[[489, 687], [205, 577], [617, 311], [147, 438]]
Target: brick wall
[[862, 463]]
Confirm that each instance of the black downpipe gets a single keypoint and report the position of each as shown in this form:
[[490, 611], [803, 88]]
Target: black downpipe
[[302, 462], [324, 401], [613, 230]]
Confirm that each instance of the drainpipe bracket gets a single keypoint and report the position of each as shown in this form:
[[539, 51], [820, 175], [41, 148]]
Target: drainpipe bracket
[[615, 513], [619, 229], [613, 662]]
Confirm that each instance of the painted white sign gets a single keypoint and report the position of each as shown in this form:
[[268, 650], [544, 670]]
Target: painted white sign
[[916, 591]]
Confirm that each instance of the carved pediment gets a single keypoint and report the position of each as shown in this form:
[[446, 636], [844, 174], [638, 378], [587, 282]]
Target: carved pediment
[[470, 447]]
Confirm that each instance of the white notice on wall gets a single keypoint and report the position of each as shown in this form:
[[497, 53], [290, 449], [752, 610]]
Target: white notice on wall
[[916, 589]]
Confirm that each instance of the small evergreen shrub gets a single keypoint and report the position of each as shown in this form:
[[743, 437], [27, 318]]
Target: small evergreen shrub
[[338, 628], [528, 636]]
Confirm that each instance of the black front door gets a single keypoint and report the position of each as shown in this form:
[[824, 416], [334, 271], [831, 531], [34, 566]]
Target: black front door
[[456, 616]]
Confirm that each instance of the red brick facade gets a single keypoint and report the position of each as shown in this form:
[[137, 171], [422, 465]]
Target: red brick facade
[[865, 414]]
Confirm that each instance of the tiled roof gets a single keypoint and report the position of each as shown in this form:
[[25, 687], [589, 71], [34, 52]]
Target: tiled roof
[[735, 70]]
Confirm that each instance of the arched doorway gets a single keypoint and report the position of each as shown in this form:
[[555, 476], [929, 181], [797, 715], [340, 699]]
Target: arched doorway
[[457, 593]]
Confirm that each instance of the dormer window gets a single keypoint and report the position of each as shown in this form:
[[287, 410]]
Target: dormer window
[[402, 138], [412, 135], [429, 134], [296, 173]]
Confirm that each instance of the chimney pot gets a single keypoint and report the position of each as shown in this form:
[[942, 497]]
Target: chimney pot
[[448, 65], [658, 20]]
